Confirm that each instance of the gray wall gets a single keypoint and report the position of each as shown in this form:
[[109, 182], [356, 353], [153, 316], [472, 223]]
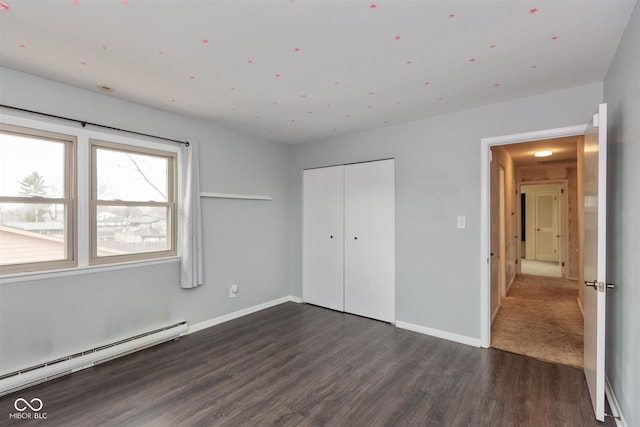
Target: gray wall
[[244, 241], [437, 178], [622, 94]]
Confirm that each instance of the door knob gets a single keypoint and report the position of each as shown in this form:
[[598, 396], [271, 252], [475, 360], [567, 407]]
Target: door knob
[[599, 286]]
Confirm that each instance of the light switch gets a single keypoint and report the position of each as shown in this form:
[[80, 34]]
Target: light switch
[[462, 222]]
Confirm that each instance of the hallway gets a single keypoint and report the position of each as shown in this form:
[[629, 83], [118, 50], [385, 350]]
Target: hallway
[[541, 268], [540, 317]]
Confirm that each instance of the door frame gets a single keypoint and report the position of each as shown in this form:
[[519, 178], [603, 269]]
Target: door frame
[[485, 211], [502, 247]]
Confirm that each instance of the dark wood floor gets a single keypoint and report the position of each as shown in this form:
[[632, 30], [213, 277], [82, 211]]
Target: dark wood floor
[[299, 365]]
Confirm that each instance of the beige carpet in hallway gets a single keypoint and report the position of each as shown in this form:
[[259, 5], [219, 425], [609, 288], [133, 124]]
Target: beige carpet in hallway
[[540, 318]]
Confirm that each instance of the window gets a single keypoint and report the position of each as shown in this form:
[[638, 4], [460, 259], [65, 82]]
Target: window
[[133, 203], [37, 200], [71, 198]]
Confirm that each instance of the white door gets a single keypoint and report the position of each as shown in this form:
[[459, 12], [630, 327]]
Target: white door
[[547, 232], [322, 231], [595, 227], [369, 274]]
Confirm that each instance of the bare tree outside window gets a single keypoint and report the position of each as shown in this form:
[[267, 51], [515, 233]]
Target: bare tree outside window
[[133, 202]]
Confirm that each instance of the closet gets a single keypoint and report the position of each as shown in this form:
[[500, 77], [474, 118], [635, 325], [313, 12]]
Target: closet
[[348, 261]]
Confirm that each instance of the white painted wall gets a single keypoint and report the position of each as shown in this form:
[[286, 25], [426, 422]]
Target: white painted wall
[[622, 93], [437, 179], [244, 241]]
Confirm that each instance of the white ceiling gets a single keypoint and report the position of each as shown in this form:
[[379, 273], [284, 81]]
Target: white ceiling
[[297, 71]]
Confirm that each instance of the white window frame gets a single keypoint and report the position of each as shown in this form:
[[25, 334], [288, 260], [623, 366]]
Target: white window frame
[[82, 193], [68, 200]]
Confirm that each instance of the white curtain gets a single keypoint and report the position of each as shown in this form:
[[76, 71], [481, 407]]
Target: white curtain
[[192, 269]]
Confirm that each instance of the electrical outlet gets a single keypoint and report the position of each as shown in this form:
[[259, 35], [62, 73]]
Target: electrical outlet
[[233, 290]]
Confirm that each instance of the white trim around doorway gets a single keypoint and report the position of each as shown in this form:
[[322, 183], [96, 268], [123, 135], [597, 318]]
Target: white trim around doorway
[[485, 215]]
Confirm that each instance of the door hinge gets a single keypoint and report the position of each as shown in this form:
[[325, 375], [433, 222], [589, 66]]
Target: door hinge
[[596, 120], [563, 264], [562, 191]]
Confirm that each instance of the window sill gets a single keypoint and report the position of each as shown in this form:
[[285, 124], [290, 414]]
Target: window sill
[[75, 271]]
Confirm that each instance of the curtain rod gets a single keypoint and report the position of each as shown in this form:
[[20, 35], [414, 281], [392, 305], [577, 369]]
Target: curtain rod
[[84, 123]]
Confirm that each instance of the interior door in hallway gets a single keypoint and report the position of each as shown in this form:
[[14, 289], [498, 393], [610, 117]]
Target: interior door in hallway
[[547, 225]]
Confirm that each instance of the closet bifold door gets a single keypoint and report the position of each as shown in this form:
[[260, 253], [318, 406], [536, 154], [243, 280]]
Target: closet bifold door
[[369, 266], [323, 237]]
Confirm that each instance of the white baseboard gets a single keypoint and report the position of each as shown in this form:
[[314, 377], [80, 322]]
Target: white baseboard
[[240, 313], [513, 278], [580, 306], [613, 403], [462, 339], [495, 313], [90, 358]]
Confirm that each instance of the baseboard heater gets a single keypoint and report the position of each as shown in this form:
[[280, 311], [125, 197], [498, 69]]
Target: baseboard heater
[[27, 377]]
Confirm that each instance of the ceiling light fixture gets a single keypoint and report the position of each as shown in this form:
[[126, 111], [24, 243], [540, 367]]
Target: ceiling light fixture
[[543, 153]]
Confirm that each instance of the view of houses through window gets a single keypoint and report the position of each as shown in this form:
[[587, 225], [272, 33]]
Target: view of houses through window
[[131, 206], [36, 198], [132, 200]]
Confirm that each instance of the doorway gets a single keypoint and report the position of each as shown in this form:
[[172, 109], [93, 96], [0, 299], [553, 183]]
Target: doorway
[[537, 314], [540, 230], [544, 219]]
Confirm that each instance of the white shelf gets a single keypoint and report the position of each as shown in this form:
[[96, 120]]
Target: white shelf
[[235, 196]]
